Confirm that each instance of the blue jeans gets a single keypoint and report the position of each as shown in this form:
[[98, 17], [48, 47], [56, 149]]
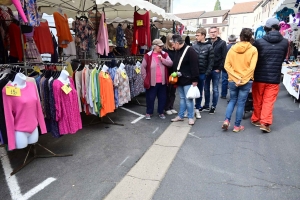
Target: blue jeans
[[159, 91], [185, 104], [238, 95], [224, 83], [200, 85], [214, 77]]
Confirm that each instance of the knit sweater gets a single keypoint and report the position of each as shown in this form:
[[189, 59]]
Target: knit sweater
[[23, 113]]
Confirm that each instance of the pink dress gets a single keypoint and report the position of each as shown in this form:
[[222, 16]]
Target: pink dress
[[67, 110], [23, 113], [102, 37]]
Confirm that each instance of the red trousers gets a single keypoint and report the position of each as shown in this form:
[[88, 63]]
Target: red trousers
[[264, 96]]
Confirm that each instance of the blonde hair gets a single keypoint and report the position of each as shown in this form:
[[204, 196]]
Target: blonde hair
[[168, 44]]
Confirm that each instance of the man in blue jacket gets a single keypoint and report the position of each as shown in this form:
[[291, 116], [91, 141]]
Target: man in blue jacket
[[220, 51], [231, 42]]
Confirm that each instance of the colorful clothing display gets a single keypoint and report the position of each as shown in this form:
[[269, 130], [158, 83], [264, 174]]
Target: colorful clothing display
[[5, 17], [102, 37], [15, 47], [63, 30], [120, 37], [121, 81], [43, 38], [31, 13]]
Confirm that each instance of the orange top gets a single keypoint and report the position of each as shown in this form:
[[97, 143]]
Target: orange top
[[63, 30], [43, 38], [106, 94]]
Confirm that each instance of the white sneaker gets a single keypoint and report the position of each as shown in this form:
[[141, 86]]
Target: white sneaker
[[174, 111], [169, 112], [197, 114], [185, 114]]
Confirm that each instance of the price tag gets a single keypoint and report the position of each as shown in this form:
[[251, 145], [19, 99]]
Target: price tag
[[66, 88], [105, 75], [139, 22], [138, 70], [13, 91], [124, 75]]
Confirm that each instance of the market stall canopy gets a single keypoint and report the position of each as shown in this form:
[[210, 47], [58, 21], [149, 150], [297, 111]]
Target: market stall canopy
[[112, 8], [167, 22]]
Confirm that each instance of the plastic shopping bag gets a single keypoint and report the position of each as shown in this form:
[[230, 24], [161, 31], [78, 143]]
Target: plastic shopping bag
[[193, 92]]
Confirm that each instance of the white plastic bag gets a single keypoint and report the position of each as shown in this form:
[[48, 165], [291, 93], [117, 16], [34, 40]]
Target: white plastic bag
[[193, 92]]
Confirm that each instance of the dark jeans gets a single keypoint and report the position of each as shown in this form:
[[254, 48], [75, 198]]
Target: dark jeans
[[159, 91], [171, 95], [214, 77], [200, 85], [224, 83]]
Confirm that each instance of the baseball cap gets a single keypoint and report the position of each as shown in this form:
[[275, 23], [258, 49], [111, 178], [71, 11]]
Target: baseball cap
[[272, 21], [157, 42]]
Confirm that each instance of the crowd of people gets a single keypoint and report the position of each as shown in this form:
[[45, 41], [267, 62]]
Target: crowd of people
[[242, 66]]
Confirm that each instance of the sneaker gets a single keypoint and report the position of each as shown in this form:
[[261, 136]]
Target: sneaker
[[223, 97], [191, 122], [162, 116], [257, 123], [197, 114], [204, 109], [174, 111], [169, 112], [148, 117], [237, 129], [265, 128], [176, 119], [185, 114], [212, 110], [225, 125]]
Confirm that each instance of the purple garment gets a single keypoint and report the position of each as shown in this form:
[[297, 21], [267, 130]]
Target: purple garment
[[67, 110]]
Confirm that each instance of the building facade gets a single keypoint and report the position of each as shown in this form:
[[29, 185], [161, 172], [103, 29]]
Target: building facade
[[242, 16], [167, 5]]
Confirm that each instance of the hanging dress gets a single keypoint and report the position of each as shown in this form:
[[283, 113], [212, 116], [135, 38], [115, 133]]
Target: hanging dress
[[102, 37]]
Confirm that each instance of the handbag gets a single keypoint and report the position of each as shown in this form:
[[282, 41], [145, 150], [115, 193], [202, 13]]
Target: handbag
[[193, 92], [174, 80]]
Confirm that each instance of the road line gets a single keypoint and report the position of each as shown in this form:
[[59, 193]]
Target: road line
[[144, 178], [123, 161], [192, 134], [12, 181], [137, 119], [155, 130], [131, 111]]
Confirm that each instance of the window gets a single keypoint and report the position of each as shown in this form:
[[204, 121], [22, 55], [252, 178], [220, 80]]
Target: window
[[203, 21], [215, 20], [245, 19]]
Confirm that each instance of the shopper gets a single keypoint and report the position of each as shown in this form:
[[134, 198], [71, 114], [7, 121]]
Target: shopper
[[205, 53], [155, 75], [231, 41], [171, 89], [220, 51], [187, 76], [272, 49], [240, 64]]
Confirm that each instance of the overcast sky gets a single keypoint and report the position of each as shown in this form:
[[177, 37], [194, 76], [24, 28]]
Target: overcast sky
[[184, 6]]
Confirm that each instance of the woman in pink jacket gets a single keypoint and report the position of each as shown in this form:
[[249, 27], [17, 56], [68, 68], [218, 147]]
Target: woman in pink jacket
[[155, 75]]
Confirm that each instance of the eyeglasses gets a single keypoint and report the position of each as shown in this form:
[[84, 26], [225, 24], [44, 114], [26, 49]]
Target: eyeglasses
[[160, 46]]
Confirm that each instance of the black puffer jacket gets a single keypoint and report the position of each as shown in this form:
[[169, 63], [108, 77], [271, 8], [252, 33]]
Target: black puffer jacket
[[189, 67], [220, 52], [272, 50], [205, 53]]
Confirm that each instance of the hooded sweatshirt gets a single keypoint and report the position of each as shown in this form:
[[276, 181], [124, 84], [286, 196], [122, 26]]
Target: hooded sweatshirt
[[240, 62]]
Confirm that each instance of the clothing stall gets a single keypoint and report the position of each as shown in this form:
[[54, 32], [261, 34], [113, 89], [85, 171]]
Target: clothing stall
[[82, 77]]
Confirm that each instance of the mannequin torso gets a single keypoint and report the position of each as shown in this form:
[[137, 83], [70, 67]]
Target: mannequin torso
[[19, 81], [64, 77]]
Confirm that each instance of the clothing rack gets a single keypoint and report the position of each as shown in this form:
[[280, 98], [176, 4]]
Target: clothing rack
[[32, 147]]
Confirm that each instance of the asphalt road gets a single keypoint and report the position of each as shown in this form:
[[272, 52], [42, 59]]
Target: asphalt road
[[213, 164]]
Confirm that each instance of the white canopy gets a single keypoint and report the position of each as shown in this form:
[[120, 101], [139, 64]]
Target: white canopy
[[112, 8]]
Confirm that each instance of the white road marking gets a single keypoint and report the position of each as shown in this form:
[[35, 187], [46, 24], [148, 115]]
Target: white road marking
[[155, 130], [137, 119], [123, 161], [192, 134], [131, 111], [12, 181]]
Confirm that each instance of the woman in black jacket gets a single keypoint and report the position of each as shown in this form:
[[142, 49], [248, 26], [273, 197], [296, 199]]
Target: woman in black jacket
[[187, 76], [171, 89]]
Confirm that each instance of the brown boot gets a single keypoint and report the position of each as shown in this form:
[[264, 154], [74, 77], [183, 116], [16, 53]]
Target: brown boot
[[264, 128]]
